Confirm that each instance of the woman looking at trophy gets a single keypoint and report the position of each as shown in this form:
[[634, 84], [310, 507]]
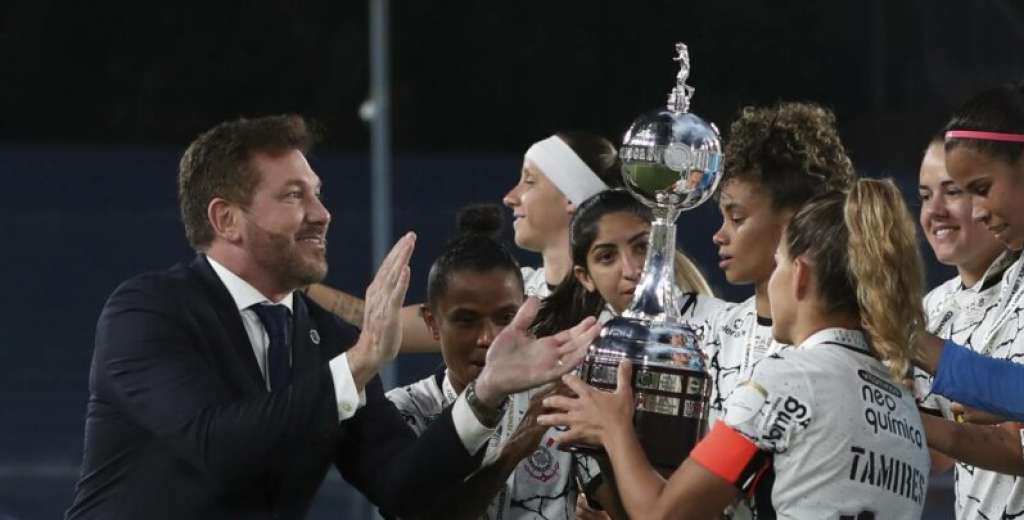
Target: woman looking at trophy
[[608, 238], [776, 158], [788, 436]]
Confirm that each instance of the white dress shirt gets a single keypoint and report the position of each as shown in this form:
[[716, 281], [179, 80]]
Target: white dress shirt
[[349, 398]]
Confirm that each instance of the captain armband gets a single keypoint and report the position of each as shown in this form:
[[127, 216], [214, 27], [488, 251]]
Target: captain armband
[[732, 456]]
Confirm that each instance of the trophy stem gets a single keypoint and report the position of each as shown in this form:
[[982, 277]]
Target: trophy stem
[[657, 297]]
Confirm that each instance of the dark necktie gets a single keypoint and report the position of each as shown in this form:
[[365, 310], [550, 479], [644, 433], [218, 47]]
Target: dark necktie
[[275, 320]]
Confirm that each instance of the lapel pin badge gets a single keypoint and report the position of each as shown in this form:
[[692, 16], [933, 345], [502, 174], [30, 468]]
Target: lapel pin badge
[[314, 336]]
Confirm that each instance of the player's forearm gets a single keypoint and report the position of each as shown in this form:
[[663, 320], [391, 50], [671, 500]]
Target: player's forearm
[[342, 304], [416, 337], [639, 484], [990, 384], [929, 352], [996, 448], [608, 496]]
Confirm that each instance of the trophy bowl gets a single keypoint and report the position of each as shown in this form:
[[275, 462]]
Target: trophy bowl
[[672, 163], [671, 159]]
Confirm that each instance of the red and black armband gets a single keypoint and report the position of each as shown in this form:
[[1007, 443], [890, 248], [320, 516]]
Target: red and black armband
[[732, 456]]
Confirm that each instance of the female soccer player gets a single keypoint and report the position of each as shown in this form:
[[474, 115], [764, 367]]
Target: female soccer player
[[961, 309], [789, 434], [473, 291], [608, 241], [985, 157]]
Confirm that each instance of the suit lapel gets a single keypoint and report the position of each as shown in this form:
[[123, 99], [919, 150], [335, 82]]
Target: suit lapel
[[245, 367]]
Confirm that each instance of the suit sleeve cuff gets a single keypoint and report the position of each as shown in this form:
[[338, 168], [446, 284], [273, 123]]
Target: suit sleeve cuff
[[349, 400], [472, 434]]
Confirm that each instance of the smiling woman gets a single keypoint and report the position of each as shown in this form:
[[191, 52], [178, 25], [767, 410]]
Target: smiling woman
[[957, 310], [984, 145], [953, 234]]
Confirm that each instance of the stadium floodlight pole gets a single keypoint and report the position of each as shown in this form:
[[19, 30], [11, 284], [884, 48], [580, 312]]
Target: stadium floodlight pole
[[377, 111]]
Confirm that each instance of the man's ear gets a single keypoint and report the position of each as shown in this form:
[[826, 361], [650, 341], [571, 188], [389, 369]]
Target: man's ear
[[584, 278], [225, 218], [430, 321]]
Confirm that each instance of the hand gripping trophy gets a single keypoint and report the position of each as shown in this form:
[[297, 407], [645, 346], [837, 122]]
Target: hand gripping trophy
[[672, 163]]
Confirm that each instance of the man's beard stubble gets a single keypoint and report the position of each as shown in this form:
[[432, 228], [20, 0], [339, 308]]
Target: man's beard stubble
[[279, 254]]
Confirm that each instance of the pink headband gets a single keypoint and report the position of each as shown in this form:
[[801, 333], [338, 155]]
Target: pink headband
[[985, 136]]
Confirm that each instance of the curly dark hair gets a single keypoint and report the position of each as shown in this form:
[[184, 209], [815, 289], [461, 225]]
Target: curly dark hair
[[792, 149], [218, 164]]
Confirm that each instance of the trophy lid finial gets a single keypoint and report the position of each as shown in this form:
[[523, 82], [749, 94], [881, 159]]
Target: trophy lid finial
[[679, 98]]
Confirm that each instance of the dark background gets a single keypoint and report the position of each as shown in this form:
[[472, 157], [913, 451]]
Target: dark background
[[97, 101]]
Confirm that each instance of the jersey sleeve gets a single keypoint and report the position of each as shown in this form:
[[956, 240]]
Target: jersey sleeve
[[774, 407]]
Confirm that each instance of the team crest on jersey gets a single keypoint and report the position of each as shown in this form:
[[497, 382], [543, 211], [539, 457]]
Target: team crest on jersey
[[542, 465], [737, 328]]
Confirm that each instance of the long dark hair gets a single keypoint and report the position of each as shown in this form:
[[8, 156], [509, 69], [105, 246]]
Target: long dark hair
[[475, 248], [570, 302]]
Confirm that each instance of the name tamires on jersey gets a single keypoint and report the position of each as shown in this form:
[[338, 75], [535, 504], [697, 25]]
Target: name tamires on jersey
[[845, 440]]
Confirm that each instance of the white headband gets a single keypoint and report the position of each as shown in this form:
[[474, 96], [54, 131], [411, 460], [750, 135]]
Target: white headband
[[565, 169]]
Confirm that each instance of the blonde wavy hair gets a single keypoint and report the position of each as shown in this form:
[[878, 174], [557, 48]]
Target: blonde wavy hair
[[863, 249]]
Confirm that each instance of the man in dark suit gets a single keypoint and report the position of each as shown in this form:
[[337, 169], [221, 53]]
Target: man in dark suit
[[219, 391]]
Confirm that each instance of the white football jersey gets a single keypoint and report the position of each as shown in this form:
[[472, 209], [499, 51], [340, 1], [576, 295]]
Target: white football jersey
[[534, 283], [542, 487], [845, 438], [736, 339], [985, 318]]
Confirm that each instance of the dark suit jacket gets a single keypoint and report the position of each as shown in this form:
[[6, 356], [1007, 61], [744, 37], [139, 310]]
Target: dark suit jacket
[[179, 423]]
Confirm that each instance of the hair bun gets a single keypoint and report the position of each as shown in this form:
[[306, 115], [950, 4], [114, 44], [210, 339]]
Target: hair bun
[[481, 219]]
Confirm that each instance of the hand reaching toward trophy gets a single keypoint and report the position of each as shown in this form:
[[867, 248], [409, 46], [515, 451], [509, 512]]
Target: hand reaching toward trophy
[[593, 415], [517, 361]]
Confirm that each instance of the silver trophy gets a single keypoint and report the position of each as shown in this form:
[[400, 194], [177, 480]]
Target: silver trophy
[[672, 163]]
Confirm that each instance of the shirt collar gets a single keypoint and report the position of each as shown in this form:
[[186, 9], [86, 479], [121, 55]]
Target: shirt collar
[[242, 292], [852, 338]]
